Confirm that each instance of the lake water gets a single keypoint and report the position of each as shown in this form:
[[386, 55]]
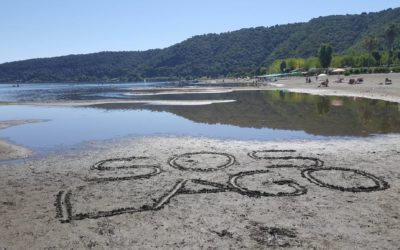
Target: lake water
[[255, 115], [68, 91]]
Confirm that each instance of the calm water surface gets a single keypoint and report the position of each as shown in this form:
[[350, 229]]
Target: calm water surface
[[260, 115], [69, 91]]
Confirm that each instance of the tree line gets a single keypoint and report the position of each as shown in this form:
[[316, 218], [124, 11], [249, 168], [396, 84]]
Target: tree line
[[379, 53]]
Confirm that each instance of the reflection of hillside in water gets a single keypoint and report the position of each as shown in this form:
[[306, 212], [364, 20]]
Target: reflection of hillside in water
[[319, 115]]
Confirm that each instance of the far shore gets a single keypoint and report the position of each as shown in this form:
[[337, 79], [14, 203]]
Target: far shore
[[373, 87]]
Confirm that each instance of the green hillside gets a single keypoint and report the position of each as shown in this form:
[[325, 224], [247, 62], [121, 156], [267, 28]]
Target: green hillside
[[210, 55]]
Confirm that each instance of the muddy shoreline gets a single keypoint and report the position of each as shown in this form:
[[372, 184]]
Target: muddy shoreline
[[336, 194]]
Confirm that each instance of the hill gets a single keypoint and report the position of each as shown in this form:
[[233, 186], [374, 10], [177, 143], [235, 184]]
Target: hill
[[211, 55]]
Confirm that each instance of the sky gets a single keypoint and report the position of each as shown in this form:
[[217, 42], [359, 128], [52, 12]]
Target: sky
[[46, 28]]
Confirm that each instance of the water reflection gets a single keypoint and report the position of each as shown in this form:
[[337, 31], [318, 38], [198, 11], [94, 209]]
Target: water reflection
[[317, 115], [323, 105], [70, 126], [256, 115]]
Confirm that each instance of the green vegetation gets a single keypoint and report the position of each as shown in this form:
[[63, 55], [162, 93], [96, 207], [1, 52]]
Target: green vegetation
[[374, 58], [358, 62], [283, 66], [377, 60], [239, 53], [325, 55]]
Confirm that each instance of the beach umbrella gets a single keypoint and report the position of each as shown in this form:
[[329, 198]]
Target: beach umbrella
[[338, 71], [322, 75]]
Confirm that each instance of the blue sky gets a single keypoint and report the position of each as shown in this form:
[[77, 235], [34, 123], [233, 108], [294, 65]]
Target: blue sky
[[44, 28]]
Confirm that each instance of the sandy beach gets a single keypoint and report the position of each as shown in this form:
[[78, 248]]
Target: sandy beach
[[373, 86], [241, 198], [202, 193]]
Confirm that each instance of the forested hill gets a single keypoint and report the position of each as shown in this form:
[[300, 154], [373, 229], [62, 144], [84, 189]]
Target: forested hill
[[207, 55]]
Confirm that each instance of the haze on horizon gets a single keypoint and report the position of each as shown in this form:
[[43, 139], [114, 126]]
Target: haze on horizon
[[47, 28]]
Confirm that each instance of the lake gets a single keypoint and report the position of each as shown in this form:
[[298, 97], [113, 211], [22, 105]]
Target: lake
[[254, 115]]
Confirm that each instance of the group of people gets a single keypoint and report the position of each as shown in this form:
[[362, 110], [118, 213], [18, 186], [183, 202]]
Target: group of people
[[323, 83], [340, 80]]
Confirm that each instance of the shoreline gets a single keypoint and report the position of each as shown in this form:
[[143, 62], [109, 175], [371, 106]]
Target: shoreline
[[10, 151], [369, 89]]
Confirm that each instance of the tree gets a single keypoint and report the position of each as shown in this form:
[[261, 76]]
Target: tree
[[283, 66], [370, 43], [291, 64], [325, 55], [390, 35], [377, 56]]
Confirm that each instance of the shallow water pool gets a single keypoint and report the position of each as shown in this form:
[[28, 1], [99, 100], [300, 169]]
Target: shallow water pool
[[255, 115]]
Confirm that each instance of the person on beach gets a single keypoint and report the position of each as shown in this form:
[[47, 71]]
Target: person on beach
[[324, 83]]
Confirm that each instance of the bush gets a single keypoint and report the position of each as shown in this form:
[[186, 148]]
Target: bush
[[382, 70], [396, 69]]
